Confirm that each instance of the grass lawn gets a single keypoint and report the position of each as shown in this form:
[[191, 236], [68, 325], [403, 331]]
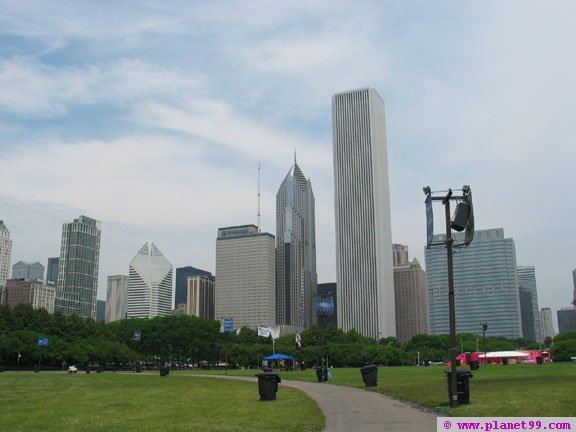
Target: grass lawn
[[55, 401], [515, 390]]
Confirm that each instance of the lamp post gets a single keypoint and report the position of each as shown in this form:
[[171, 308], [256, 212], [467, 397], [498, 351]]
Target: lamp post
[[484, 328], [463, 219]]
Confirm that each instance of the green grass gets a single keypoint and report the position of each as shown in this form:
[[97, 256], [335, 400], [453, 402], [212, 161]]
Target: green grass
[[52, 401], [495, 390]]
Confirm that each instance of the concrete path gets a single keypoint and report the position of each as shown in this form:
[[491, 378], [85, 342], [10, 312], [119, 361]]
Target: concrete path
[[353, 409]]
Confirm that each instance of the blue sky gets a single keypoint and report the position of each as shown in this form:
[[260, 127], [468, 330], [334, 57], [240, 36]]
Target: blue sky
[[153, 117]]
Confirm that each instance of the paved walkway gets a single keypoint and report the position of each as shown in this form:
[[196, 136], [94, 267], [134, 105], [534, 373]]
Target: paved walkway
[[353, 409]]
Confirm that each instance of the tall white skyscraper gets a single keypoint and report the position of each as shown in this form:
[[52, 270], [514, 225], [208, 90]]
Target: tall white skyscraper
[[245, 277], [149, 284], [116, 298], [546, 324], [5, 258], [78, 268], [364, 274], [295, 251]]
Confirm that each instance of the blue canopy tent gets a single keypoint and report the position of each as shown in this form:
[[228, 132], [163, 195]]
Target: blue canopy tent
[[279, 357]]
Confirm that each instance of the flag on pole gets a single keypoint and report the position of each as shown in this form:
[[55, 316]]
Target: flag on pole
[[298, 341], [264, 331]]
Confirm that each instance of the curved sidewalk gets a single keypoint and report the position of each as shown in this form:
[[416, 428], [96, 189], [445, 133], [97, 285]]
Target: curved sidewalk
[[353, 409]]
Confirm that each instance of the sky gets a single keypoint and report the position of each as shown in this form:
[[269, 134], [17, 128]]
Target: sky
[[153, 117]]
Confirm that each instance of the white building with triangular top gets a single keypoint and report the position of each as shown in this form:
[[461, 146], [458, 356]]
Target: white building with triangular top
[[149, 284]]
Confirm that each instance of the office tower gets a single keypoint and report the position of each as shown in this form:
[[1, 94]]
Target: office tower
[[28, 270], [326, 291], [362, 205], [32, 292], [52, 271], [485, 285], [546, 323], [529, 303], [566, 319], [411, 300], [399, 255], [295, 251], [78, 268], [149, 284], [116, 298], [100, 310], [5, 258], [199, 297], [245, 288], [182, 275]]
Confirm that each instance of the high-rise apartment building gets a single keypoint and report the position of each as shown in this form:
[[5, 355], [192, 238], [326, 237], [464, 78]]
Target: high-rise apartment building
[[52, 271], [296, 278], [78, 268], [182, 275], [199, 297], [149, 284], [5, 258], [362, 204], [245, 289], [546, 323], [116, 298], [566, 319], [399, 255], [100, 310], [28, 270], [411, 300], [485, 285], [32, 292], [529, 303]]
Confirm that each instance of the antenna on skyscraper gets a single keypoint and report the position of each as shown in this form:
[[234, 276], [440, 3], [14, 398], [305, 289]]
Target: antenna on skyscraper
[[258, 196]]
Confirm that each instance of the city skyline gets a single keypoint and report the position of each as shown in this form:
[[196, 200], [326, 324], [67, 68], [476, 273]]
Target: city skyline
[[152, 90]]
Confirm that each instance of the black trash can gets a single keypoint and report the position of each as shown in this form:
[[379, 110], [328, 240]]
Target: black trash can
[[164, 371], [370, 375], [100, 369], [87, 369], [36, 369], [462, 385], [539, 360], [268, 385], [322, 373], [474, 365]]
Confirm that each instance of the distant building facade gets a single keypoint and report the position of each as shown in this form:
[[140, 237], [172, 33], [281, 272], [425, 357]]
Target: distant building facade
[[116, 298], [28, 270], [485, 285], [199, 296], [529, 303], [182, 275], [5, 258], [411, 300], [100, 310], [78, 268], [52, 271], [546, 323], [296, 277], [149, 284], [31, 292], [326, 290], [399, 255], [566, 319], [364, 273], [245, 289]]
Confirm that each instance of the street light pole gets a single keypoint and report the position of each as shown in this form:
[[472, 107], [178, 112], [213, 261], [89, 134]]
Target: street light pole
[[484, 328]]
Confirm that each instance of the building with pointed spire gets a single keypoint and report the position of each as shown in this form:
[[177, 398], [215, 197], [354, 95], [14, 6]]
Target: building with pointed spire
[[78, 268], [5, 258], [296, 278], [411, 298], [149, 284], [364, 275]]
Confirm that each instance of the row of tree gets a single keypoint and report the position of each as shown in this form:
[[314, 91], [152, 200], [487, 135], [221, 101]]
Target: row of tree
[[189, 340]]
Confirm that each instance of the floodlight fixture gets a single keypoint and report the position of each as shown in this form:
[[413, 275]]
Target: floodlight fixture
[[426, 190]]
